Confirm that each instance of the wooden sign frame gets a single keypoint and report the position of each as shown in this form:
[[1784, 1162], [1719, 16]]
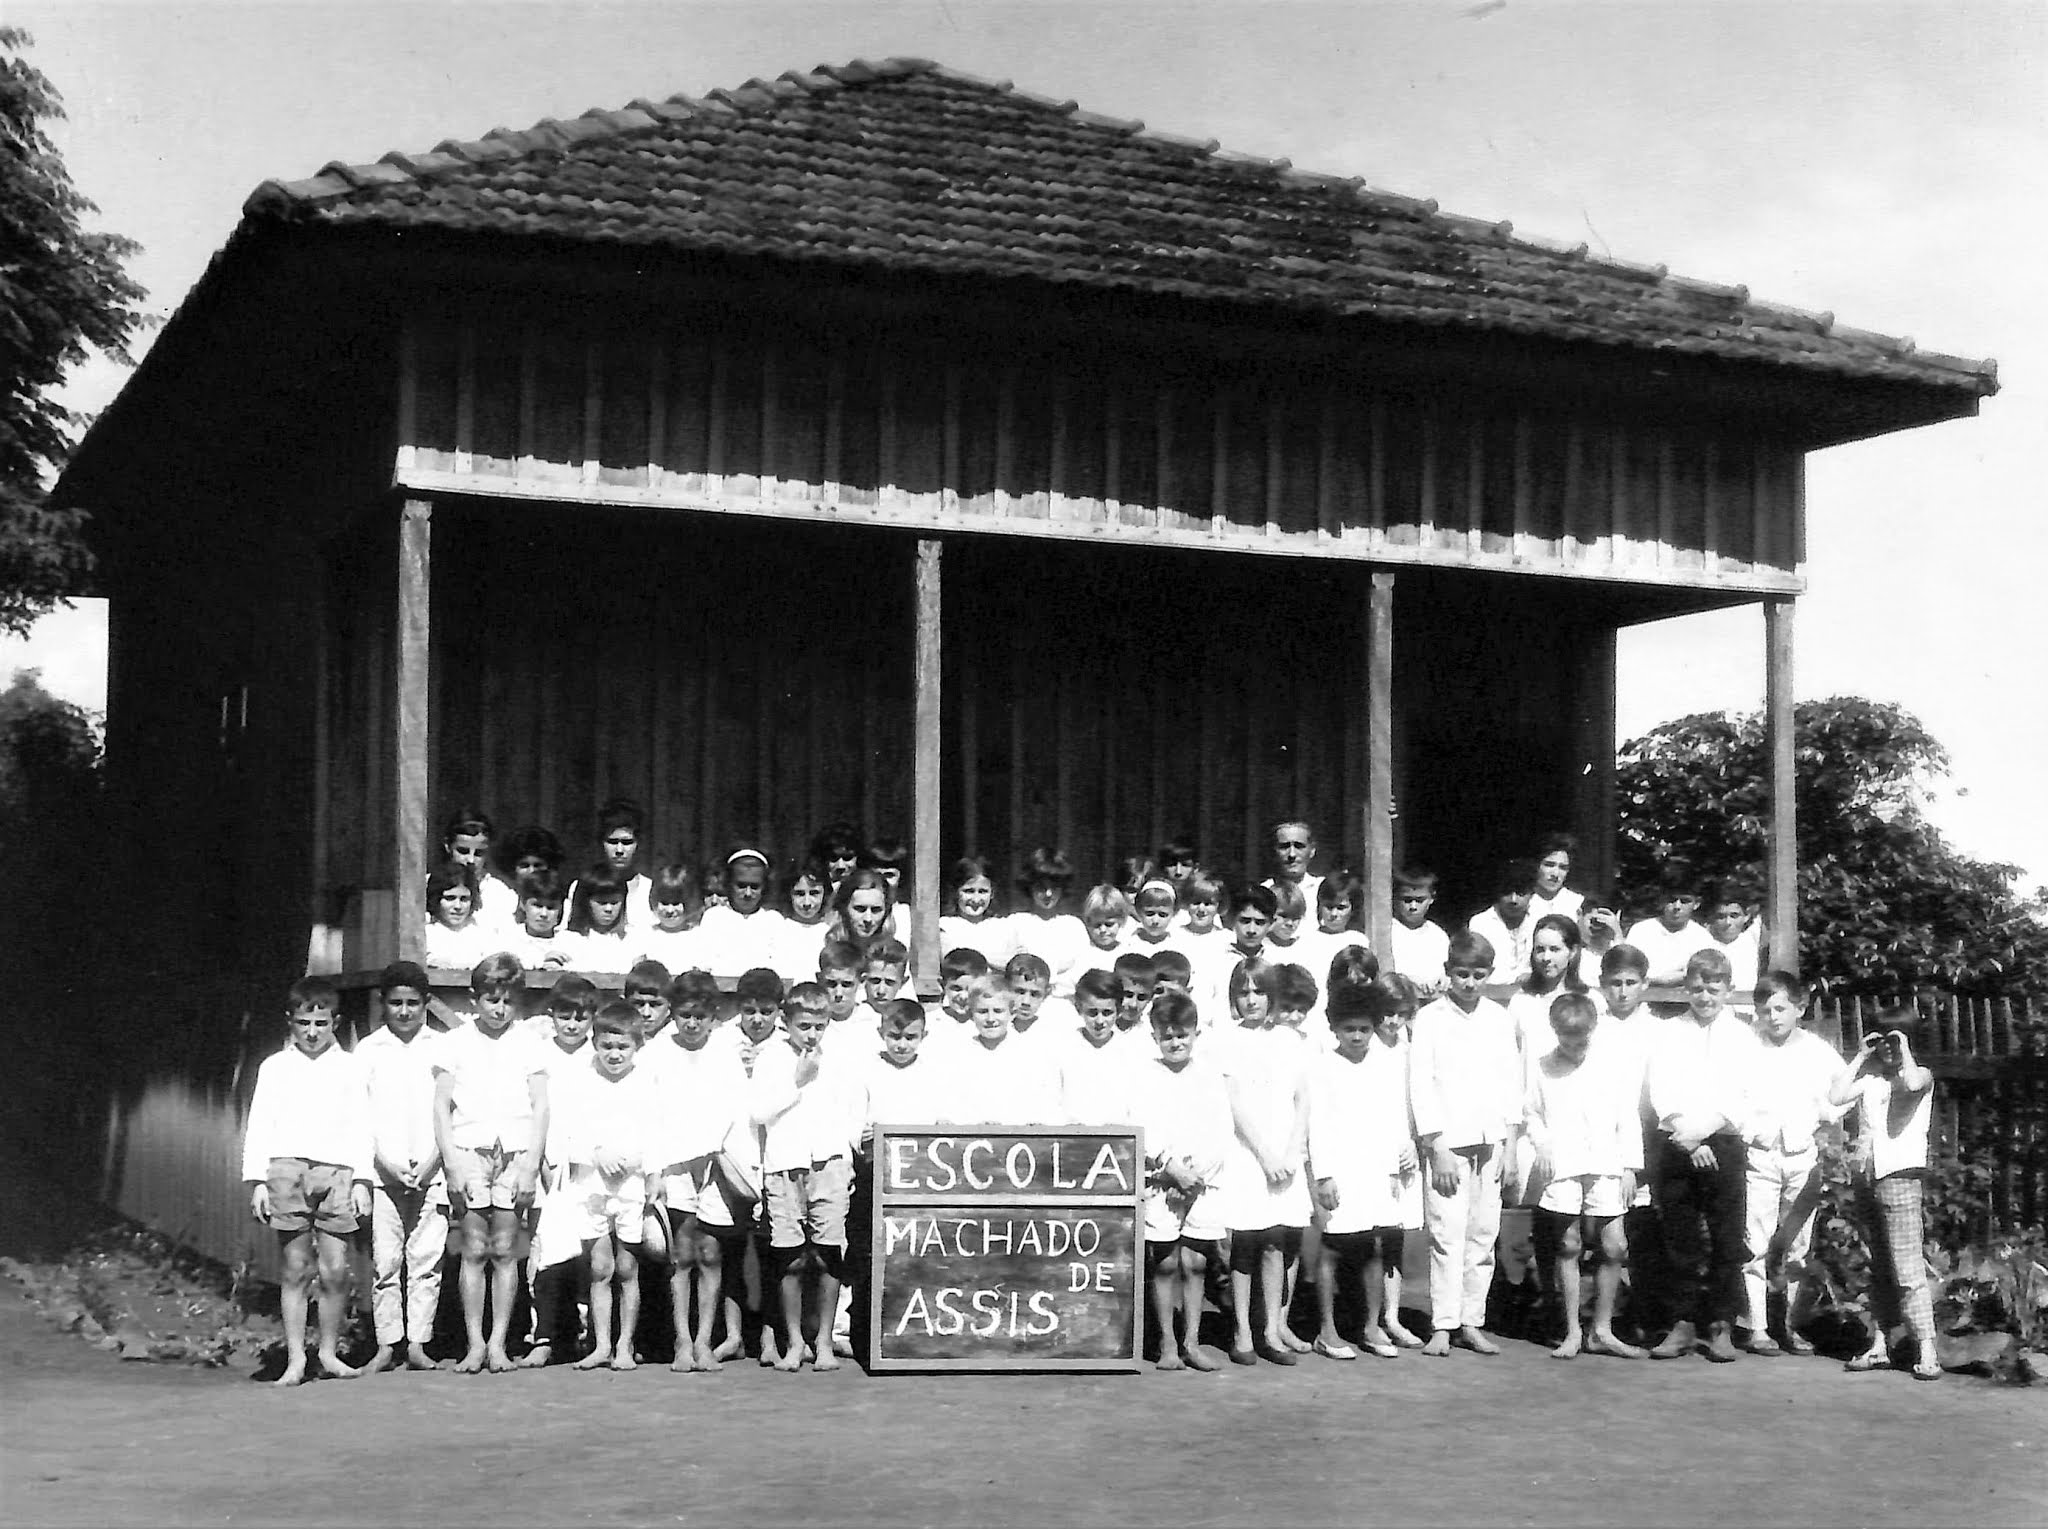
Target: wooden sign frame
[[1121, 1208]]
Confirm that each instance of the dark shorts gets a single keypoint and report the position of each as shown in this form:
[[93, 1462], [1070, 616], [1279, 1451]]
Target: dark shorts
[[305, 1195], [1210, 1248], [1247, 1246], [1352, 1248]]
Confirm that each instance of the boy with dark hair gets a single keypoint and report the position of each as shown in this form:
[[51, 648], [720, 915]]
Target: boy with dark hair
[[1700, 1075], [1894, 1098], [1417, 945], [537, 939], [1506, 923], [306, 1156], [802, 1100], [1669, 940], [959, 970], [1466, 1094], [646, 990], [1138, 975], [408, 1198]]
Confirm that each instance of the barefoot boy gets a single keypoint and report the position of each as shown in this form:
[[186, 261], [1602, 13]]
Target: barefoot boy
[[490, 1121], [306, 1157], [605, 1128], [1588, 1148]]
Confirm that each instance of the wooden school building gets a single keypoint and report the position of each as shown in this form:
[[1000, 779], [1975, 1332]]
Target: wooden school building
[[884, 443]]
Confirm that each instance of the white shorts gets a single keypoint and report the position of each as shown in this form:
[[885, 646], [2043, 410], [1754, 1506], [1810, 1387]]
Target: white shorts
[[1584, 1194], [597, 1206]]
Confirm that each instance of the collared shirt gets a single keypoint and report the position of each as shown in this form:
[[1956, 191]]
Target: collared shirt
[[317, 1108], [1703, 1069], [1465, 1073], [1788, 1094], [1584, 1113], [1096, 1083], [703, 1094], [1510, 946], [1010, 1083], [401, 1082], [1418, 953], [492, 1094], [589, 1113], [913, 1094], [803, 1125]]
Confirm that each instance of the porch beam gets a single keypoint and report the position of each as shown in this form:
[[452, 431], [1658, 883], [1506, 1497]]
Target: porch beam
[[1377, 831], [1781, 894], [925, 770], [412, 665]]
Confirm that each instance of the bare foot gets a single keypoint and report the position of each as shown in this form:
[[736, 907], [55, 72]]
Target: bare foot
[[538, 1356], [827, 1360], [472, 1363], [842, 1345], [331, 1365], [294, 1374], [624, 1360], [771, 1351], [1470, 1337], [1569, 1349], [386, 1358], [708, 1359], [497, 1361], [416, 1357], [732, 1348], [1607, 1343], [596, 1359], [1197, 1360], [804, 1354], [1169, 1360], [789, 1363], [1439, 1343], [682, 1364]]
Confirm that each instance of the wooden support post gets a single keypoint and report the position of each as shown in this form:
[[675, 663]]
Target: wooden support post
[[1377, 831], [925, 774], [409, 800], [1781, 896], [1593, 810]]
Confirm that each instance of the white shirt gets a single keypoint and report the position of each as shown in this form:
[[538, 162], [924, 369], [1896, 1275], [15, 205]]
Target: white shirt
[[1184, 1114], [1358, 1122], [1510, 946], [400, 1076], [557, 950], [1096, 1083], [1465, 1073], [317, 1108], [913, 1094], [594, 952], [1010, 1083], [1566, 903], [1418, 953], [1707, 1069], [460, 949], [803, 1125], [590, 1113], [1788, 1092], [991, 935], [1745, 958], [1061, 942], [797, 948], [1666, 951], [1585, 1114], [703, 1093], [731, 943], [491, 1096], [678, 950], [1894, 1122]]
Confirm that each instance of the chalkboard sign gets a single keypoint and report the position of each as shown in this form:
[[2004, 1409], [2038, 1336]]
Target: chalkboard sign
[[1007, 1248]]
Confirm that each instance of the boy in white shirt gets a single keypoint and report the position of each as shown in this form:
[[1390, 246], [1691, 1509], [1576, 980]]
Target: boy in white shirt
[[1417, 946], [1669, 940], [306, 1157], [1466, 1094], [1096, 1059], [1506, 923], [1699, 1084], [1730, 924], [1138, 976], [607, 1127], [408, 1201], [998, 1079], [1032, 1013], [1587, 1144], [491, 1123], [1894, 1099], [701, 1086], [1628, 1029], [557, 1273], [959, 970], [802, 1100], [1796, 1069], [1183, 1106]]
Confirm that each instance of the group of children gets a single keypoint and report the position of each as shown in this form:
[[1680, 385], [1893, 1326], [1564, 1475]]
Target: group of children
[[1300, 1121]]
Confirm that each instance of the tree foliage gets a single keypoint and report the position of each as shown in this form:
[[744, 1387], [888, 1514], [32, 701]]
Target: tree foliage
[[63, 294], [1886, 905]]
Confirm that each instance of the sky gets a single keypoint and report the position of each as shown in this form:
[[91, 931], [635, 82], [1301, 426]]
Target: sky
[[1884, 162]]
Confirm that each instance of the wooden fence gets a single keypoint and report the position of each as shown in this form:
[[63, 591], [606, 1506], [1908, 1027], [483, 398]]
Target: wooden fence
[[173, 1154]]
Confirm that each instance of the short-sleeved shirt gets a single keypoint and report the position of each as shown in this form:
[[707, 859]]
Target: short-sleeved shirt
[[493, 1103]]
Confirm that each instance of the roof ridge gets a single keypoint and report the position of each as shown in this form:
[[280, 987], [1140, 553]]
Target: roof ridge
[[339, 179]]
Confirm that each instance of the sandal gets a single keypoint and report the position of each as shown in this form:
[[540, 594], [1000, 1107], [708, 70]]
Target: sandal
[[1875, 1359]]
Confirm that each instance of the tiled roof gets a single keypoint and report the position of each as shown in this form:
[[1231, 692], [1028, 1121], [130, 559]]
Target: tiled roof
[[910, 166]]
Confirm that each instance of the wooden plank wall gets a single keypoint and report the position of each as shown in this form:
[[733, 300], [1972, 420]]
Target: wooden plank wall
[[1092, 447]]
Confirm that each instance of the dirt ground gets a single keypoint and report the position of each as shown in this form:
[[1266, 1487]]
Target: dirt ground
[[86, 1439]]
